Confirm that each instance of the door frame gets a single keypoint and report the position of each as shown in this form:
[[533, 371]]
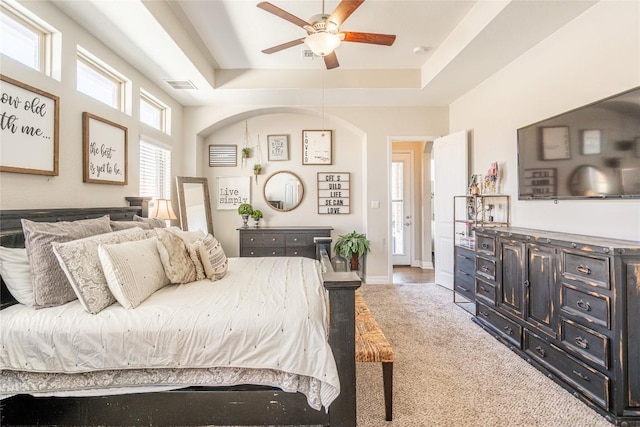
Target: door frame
[[412, 207]]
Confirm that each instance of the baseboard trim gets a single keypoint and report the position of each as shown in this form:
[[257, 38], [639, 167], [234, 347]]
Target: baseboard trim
[[378, 280]]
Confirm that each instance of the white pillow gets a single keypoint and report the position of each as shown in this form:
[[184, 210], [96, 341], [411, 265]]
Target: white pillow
[[133, 270], [214, 260], [80, 262], [16, 273], [187, 236]]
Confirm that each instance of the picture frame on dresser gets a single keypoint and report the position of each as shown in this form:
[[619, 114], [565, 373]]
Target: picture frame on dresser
[[30, 134]]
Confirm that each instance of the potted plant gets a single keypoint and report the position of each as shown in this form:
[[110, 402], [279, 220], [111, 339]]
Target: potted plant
[[256, 215], [257, 168], [352, 246], [245, 210], [246, 152]]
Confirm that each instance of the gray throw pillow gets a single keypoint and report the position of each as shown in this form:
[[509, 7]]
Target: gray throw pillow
[[50, 284], [153, 222]]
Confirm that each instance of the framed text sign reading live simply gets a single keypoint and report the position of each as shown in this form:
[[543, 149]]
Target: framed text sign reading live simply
[[29, 129], [334, 193], [104, 149]]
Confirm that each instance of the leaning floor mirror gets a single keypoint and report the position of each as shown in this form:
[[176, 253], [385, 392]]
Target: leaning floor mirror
[[194, 204]]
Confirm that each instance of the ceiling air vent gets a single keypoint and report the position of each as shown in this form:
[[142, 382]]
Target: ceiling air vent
[[181, 84]]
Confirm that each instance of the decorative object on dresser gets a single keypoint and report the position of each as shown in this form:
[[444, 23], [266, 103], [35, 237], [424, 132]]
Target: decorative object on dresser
[[569, 305], [31, 144], [245, 210], [104, 150], [473, 211], [257, 216], [334, 191], [281, 241]]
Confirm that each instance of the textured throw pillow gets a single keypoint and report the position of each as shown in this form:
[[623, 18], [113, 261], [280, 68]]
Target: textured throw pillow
[[125, 225], [187, 236], [16, 273], [152, 222], [175, 258], [194, 253], [133, 270], [213, 258], [50, 285], [80, 262]]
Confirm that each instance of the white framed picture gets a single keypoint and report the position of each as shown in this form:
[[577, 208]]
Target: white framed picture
[[232, 191], [278, 147], [316, 147], [555, 143]]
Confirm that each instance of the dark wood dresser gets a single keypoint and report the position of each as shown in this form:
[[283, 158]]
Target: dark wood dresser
[[570, 306], [280, 241]]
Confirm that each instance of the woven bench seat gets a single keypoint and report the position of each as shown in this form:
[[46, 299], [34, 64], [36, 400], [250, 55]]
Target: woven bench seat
[[372, 346]]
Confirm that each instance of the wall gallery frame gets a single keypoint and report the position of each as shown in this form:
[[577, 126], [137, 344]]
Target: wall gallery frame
[[232, 192], [223, 155], [104, 150], [30, 129], [316, 147], [555, 143], [278, 147]]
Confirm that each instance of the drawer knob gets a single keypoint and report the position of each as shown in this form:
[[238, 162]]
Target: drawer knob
[[484, 314], [484, 246], [251, 239], [483, 289], [541, 351], [581, 375], [252, 252], [295, 253], [273, 240], [526, 283], [484, 268], [295, 239], [508, 330], [584, 305], [583, 269], [273, 253], [581, 342]]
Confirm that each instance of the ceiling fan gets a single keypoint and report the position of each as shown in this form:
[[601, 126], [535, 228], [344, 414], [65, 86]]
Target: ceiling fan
[[323, 31]]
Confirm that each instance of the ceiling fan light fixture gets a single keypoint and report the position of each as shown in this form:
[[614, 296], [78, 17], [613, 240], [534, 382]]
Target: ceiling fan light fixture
[[322, 43]]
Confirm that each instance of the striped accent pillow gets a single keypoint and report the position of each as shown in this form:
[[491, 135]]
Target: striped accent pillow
[[213, 258], [133, 270]]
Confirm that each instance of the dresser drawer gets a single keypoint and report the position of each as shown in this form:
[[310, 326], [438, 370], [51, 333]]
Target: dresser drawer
[[465, 260], [590, 382], [486, 268], [587, 268], [261, 251], [262, 239], [590, 306], [486, 291], [507, 329], [486, 245], [304, 251], [464, 283], [586, 342], [299, 239]]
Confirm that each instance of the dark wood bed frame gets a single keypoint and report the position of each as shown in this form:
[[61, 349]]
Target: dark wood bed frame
[[240, 405]]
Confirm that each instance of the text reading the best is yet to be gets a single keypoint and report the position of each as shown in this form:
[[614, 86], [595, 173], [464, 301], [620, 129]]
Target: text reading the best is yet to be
[[334, 193]]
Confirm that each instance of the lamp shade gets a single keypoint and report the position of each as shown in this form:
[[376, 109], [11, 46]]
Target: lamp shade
[[162, 209], [322, 43]]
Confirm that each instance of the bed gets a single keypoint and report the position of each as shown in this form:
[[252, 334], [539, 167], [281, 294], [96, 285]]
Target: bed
[[318, 393]]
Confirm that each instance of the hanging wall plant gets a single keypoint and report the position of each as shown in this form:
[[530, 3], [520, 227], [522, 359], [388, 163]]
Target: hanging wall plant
[[246, 152], [257, 169]]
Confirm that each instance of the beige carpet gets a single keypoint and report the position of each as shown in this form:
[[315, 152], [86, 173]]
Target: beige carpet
[[449, 372]]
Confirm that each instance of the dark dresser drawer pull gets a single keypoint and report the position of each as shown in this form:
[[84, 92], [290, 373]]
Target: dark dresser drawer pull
[[581, 342], [526, 283], [483, 289], [465, 290], [484, 246], [581, 375], [583, 269], [251, 239], [541, 351], [583, 305], [484, 314], [484, 268], [508, 330]]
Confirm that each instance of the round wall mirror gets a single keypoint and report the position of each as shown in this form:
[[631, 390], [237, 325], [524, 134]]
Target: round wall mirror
[[283, 191]]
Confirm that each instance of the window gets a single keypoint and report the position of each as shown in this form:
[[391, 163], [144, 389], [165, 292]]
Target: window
[[154, 113], [23, 39], [155, 171], [100, 82]]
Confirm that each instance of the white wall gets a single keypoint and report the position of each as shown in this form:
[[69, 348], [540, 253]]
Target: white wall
[[24, 191], [595, 56]]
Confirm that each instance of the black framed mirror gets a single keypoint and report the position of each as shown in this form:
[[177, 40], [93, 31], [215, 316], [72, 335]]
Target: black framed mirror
[[194, 204], [283, 191]]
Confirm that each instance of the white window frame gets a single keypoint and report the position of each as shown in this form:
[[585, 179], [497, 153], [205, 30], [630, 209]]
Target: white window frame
[[43, 31], [162, 184], [121, 83], [164, 112]]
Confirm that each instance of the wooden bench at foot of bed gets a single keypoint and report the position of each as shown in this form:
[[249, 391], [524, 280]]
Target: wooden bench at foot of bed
[[372, 346]]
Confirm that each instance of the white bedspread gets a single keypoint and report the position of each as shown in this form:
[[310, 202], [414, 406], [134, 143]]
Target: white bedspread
[[266, 313]]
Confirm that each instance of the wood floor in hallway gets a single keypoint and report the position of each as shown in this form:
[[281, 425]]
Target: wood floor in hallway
[[412, 275]]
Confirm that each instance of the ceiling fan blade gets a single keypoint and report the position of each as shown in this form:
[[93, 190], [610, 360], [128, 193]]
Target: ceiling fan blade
[[372, 38], [265, 5], [331, 61], [344, 10], [283, 46]]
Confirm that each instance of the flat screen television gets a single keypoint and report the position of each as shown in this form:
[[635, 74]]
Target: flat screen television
[[590, 152]]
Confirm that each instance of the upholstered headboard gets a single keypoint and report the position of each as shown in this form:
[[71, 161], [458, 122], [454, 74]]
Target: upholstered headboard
[[11, 234]]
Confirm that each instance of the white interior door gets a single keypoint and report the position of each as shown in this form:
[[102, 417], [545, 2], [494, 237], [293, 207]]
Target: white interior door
[[401, 208], [451, 171]]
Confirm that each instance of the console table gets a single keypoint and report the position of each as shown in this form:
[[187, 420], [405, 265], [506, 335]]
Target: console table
[[281, 241]]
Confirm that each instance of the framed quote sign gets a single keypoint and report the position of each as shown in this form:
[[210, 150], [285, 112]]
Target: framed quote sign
[[232, 192], [29, 129], [316, 147], [278, 146], [334, 193], [104, 149]]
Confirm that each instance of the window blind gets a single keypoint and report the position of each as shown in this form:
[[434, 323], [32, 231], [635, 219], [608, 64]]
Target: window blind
[[155, 171]]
